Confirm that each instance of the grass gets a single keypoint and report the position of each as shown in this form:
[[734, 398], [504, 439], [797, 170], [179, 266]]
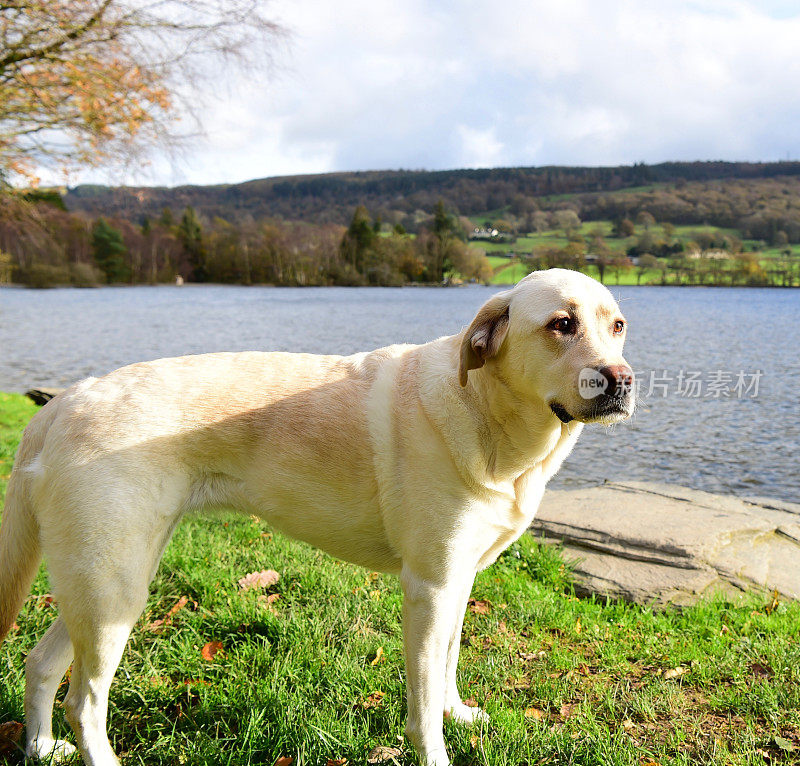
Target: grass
[[317, 674], [498, 253]]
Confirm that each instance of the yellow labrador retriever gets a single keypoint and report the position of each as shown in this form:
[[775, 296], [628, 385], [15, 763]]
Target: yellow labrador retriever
[[426, 461]]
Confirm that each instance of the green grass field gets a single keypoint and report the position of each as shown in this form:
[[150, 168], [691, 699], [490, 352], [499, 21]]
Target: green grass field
[[512, 270], [316, 673]]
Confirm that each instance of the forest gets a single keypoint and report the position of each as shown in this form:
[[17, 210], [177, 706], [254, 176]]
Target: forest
[[679, 223]]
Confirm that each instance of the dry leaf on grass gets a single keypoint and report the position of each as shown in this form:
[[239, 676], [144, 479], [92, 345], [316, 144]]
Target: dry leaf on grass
[[378, 656], [675, 673], [263, 579], [157, 625], [568, 709], [535, 713], [373, 700], [268, 600], [284, 761], [383, 754], [477, 606], [10, 732], [211, 650], [336, 762]]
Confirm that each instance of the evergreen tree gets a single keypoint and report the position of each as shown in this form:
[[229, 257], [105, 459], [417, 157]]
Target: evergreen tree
[[109, 251], [358, 240], [190, 233]]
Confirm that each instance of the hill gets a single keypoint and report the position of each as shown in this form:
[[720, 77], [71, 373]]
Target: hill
[[393, 195]]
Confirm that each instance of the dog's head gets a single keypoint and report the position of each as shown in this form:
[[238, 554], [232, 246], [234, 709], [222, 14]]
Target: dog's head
[[556, 336]]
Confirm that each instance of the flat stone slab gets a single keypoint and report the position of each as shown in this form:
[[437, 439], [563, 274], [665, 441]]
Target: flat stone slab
[[662, 543]]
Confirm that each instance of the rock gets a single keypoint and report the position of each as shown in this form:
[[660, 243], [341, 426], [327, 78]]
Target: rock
[[660, 543], [42, 396]]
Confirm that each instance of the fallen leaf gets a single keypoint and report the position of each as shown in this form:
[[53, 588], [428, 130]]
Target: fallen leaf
[[478, 607], [470, 702], [568, 709], [10, 732], [373, 700], [284, 761], [535, 713], [473, 741], [650, 763], [211, 649], [627, 724], [378, 656], [336, 762], [759, 670], [263, 579], [675, 673], [157, 625], [578, 626], [783, 743], [268, 599], [382, 754]]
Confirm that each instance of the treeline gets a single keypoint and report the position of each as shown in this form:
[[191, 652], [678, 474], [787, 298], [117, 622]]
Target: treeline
[[765, 209], [42, 244], [399, 196]]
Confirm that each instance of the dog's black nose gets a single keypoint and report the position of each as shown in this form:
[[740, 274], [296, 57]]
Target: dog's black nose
[[619, 378]]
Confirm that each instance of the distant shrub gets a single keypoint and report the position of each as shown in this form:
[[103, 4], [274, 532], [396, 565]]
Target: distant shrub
[[85, 275], [43, 275]]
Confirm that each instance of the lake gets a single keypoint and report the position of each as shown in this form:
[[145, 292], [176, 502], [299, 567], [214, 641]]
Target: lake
[[719, 367]]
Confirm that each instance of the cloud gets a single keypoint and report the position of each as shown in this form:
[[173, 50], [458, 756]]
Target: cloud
[[425, 84]]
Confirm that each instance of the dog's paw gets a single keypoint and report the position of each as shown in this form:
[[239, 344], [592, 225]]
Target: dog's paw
[[468, 716], [50, 750]]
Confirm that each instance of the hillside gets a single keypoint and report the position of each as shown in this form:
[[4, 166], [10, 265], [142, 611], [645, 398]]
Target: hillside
[[331, 198]]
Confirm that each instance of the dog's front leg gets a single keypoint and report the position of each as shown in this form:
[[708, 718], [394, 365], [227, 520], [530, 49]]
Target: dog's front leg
[[429, 612], [453, 705]]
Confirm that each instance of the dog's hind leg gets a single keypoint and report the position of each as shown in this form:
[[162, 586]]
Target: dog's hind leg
[[101, 588], [98, 650], [44, 669]]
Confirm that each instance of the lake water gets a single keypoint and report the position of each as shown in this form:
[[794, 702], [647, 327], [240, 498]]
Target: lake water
[[740, 435]]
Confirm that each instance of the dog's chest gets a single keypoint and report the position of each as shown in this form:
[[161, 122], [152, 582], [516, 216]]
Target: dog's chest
[[509, 513]]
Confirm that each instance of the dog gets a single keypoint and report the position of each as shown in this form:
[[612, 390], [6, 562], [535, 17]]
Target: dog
[[425, 461]]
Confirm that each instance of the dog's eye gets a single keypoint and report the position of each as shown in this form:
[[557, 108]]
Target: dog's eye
[[564, 325], [619, 326]]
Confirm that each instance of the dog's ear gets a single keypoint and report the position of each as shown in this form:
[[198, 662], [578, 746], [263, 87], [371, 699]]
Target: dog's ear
[[483, 338]]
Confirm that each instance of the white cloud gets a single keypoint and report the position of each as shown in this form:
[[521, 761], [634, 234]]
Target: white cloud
[[426, 84]]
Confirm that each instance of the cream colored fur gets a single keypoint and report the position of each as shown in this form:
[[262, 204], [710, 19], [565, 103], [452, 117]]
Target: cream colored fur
[[425, 461]]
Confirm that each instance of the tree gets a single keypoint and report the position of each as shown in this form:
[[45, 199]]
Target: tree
[[569, 221], [89, 81], [623, 227], [190, 233], [358, 240], [646, 263], [645, 219], [109, 251]]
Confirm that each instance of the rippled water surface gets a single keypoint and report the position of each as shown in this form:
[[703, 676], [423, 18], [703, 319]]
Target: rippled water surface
[[746, 446]]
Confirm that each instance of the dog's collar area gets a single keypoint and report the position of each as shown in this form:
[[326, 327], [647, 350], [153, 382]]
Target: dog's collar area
[[561, 413]]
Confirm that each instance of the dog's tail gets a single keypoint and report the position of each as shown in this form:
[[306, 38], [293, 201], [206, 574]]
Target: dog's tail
[[20, 549]]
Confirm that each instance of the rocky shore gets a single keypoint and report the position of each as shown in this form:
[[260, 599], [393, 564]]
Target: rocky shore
[[661, 543]]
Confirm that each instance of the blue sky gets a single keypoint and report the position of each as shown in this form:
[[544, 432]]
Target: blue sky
[[420, 84]]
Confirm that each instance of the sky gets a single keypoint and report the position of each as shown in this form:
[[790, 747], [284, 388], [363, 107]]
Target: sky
[[418, 84]]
